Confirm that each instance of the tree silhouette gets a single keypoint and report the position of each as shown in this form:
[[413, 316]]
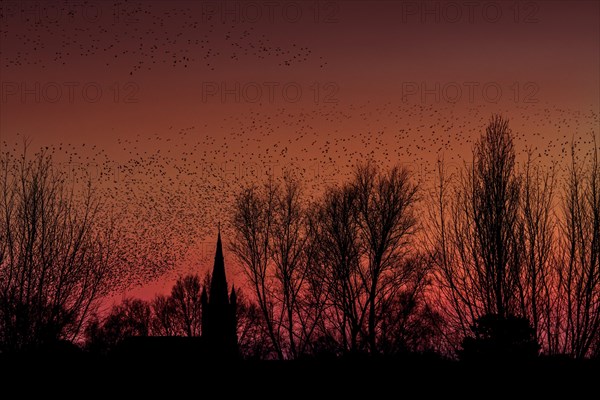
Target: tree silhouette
[[385, 217], [253, 341], [271, 241], [335, 234], [409, 324], [288, 253], [491, 202], [579, 272], [495, 274], [129, 319], [500, 338], [163, 316], [488, 237], [362, 231], [253, 224], [538, 280], [56, 253], [186, 305]]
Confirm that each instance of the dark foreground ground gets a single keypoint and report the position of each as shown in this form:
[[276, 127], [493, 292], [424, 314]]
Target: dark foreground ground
[[91, 376]]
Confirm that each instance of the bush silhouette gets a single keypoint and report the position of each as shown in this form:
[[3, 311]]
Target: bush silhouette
[[500, 338]]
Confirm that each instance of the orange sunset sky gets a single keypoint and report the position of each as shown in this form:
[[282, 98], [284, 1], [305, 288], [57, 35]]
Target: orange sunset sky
[[172, 106]]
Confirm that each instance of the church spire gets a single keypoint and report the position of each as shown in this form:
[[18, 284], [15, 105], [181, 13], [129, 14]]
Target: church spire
[[218, 284], [219, 321]]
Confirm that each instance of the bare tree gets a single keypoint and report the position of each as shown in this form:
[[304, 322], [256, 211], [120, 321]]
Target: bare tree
[[580, 270], [163, 316], [443, 237], [475, 236], [409, 324], [56, 254], [299, 297], [187, 305], [537, 285], [363, 231], [385, 216], [313, 296], [253, 225], [273, 245], [336, 239], [491, 207], [253, 340], [130, 318]]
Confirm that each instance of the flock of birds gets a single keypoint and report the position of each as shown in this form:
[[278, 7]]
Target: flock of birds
[[169, 188], [137, 36]]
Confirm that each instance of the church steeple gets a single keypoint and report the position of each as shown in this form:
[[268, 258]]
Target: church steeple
[[219, 322], [218, 284]]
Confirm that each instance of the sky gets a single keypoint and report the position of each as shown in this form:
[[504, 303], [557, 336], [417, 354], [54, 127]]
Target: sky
[[171, 107]]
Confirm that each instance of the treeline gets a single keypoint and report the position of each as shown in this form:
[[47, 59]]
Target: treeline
[[176, 314], [496, 260]]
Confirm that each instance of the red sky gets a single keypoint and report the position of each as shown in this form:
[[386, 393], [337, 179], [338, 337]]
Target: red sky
[[172, 106]]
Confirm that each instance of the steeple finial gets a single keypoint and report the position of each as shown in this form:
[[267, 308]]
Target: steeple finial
[[218, 285], [233, 296]]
